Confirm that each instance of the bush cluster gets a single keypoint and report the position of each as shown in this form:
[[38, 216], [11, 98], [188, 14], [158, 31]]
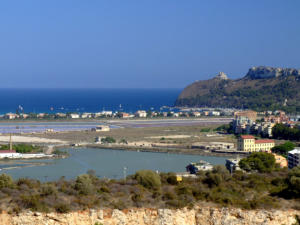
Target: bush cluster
[[149, 189]]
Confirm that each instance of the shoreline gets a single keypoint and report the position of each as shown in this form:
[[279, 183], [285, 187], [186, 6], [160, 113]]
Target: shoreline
[[183, 151]]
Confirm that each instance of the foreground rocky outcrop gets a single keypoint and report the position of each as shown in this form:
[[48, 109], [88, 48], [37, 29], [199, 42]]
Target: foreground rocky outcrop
[[203, 216]]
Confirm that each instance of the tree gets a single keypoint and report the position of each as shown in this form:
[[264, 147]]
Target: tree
[[84, 184], [280, 131], [284, 148], [148, 179], [294, 181], [108, 140], [6, 181], [258, 161]]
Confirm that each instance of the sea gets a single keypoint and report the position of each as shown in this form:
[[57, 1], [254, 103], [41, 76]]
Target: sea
[[85, 100]]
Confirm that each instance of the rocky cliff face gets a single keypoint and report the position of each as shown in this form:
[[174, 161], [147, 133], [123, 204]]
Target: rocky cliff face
[[196, 216], [263, 72]]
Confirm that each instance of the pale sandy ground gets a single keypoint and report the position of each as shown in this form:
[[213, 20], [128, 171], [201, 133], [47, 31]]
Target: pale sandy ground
[[170, 136], [149, 144], [23, 139]]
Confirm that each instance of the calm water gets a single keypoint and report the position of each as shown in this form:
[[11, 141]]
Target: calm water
[[85, 100], [108, 163]]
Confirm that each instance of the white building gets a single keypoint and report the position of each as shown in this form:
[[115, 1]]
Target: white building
[[176, 114], [293, 158], [214, 113], [74, 116], [11, 116], [107, 113], [9, 154], [196, 114], [141, 114], [60, 115], [86, 115]]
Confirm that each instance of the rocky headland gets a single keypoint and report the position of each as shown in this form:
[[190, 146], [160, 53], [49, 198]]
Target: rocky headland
[[262, 88]]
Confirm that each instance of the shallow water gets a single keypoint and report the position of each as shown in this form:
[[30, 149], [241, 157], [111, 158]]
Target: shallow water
[[22, 127], [107, 163]]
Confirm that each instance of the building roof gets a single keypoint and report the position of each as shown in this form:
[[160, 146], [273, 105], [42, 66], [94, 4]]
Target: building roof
[[247, 137], [295, 151], [264, 141], [7, 151]]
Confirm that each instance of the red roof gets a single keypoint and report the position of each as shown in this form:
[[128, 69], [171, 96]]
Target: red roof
[[264, 141], [7, 151], [247, 137]]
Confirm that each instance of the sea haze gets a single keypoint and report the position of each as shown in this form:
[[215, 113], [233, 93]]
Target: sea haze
[[85, 100]]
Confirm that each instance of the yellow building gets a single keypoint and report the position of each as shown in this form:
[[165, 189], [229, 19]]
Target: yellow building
[[280, 160], [248, 143]]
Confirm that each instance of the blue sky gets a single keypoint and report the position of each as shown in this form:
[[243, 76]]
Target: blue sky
[[142, 44]]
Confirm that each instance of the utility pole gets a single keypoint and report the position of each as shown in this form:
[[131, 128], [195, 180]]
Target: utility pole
[[125, 172], [10, 142]]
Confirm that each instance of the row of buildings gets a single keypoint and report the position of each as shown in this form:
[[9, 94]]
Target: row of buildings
[[137, 114], [247, 122]]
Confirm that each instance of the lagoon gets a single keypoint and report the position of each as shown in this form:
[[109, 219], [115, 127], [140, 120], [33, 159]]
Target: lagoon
[[105, 162]]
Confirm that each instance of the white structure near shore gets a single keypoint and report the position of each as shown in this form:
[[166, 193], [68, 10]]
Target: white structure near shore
[[101, 128], [12, 154]]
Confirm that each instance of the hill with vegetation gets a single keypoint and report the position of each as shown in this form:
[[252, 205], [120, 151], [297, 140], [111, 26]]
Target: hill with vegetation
[[263, 88]]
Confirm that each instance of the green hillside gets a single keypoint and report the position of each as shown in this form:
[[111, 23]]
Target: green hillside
[[277, 92]]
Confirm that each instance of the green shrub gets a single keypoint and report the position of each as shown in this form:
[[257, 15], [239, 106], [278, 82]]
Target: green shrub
[[108, 140], [137, 197], [213, 179], [169, 195], [123, 141], [23, 148], [6, 181], [84, 184], [104, 189], [28, 182], [148, 179], [206, 129], [98, 223], [48, 189], [62, 208], [34, 203], [172, 179]]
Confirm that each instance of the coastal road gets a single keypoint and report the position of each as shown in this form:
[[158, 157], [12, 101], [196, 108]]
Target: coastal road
[[168, 122]]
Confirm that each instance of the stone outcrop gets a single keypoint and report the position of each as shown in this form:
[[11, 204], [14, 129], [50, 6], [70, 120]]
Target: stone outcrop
[[196, 216], [263, 72], [222, 76]]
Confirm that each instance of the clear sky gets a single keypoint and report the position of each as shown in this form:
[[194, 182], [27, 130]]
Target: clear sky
[[142, 43]]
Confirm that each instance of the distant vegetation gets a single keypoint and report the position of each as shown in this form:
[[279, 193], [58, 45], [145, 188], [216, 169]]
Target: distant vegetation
[[108, 140], [206, 129], [228, 128], [60, 152], [283, 149], [280, 131], [149, 189], [22, 148]]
